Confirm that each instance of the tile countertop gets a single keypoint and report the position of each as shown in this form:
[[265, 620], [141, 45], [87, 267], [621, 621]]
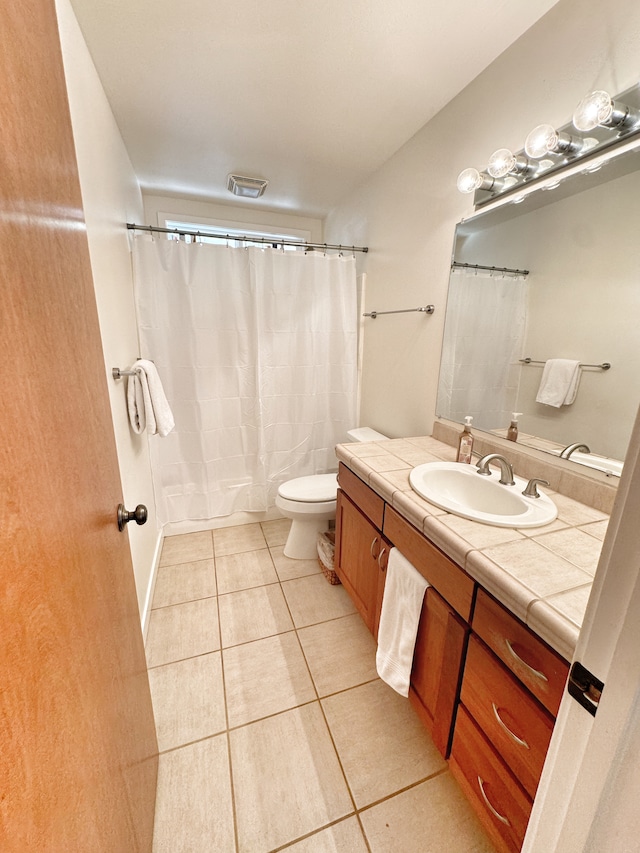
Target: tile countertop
[[543, 574]]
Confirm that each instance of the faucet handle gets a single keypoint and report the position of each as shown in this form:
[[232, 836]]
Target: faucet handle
[[531, 491]]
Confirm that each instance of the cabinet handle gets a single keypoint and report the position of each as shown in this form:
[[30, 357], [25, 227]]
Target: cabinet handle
[[533, 671], [373, 544], [517, 739], [383, 551], [500, 817]]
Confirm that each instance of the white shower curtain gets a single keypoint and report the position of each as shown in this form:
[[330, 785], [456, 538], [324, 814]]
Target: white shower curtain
[[483, 339], [257, 351]]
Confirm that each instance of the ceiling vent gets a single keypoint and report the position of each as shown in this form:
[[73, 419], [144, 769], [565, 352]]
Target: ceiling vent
[[246, 187]]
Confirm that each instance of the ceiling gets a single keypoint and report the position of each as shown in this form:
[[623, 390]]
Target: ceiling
[[313, 95]]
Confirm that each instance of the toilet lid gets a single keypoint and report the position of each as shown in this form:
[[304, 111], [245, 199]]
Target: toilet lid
[[316, 488]]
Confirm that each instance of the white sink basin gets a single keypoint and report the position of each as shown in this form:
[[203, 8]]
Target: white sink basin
[[459, 489]]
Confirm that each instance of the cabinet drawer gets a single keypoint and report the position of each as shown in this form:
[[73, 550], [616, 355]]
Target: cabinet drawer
[[517, 726], [541, 669], [363, 497], [454, 585], [502, 806]]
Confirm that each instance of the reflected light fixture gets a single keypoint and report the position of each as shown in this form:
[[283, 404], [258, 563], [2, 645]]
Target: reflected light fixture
[[246, 187], [598, 109], [470, 180], [504, 162], [545, 139]]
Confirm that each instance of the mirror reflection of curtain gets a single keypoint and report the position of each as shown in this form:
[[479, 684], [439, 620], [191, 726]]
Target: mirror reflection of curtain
[[257, 351], [482, 344]]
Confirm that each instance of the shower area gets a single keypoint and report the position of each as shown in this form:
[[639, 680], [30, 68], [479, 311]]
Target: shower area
[[257, 349]]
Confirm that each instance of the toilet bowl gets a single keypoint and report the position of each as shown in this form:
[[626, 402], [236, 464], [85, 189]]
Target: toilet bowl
[[310, 503]]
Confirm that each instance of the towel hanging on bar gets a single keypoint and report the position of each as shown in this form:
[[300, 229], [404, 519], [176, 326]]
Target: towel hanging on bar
[[147, 404]]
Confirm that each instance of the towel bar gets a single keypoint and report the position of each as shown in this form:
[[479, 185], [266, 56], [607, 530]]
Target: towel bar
[[118, 374], [427, 309], [604, 366]]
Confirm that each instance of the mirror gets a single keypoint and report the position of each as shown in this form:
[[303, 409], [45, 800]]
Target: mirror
[[580, 300]]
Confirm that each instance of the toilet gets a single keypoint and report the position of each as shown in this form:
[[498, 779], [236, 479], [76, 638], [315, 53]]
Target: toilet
[[310, 503]]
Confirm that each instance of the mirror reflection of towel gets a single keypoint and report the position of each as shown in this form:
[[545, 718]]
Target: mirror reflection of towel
[[559, 383]]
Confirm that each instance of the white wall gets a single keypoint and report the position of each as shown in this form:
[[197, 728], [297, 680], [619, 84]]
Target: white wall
[[243, 214], [111, 197], [407, 212]]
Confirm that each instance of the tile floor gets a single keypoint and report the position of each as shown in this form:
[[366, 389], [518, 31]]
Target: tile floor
[[274, 731]]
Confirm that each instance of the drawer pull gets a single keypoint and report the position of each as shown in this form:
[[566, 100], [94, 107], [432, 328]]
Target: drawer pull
[[533, 671], [500, 817], [383, 551], [374, 541], [517, 739]]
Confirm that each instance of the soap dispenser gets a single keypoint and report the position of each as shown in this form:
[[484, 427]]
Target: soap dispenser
[[512, 432], [465, 442]]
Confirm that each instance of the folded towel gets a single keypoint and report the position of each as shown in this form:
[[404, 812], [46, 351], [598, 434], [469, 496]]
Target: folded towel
[[401, 607], [559, 383], [146, 401]]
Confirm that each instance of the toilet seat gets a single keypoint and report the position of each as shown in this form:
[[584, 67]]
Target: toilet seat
[[317, 488]]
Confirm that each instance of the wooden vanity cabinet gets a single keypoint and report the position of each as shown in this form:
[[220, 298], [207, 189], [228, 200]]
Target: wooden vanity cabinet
[[360, 560], [511, 690]]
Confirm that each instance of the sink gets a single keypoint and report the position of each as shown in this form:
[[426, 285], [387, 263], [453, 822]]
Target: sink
[[458, 488]]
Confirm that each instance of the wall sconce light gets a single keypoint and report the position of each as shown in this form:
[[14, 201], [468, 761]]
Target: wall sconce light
[[470, 180], [545, 139], [598, 109], [504, 162]]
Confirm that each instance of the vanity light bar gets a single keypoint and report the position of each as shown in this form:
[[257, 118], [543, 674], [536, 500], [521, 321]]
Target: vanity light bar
[[604, 121]]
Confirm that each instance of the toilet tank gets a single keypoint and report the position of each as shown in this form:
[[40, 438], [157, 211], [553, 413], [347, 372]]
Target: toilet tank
[[366, 434]]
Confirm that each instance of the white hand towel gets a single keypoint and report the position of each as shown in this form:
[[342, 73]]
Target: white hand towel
[[401, 607], [559, 383], [146, 401]]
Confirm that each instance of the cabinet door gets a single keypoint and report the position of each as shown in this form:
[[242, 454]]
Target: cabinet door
[[437, 665], [359, 546]]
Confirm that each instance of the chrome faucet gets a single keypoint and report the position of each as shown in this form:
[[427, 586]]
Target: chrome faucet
[[566, 453], [506, 468]]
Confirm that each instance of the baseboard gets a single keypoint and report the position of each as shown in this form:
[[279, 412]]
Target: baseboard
[[151, 586]]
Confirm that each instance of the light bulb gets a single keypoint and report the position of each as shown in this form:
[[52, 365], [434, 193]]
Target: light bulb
[[501, 163], [594, 109], [469, 180], [541, 140]]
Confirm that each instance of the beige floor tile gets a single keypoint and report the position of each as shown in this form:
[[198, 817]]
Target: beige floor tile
[[276, 531], [188, 700], [343, 837], [314, 599], [430, 818], [182, 631], [382, 745], [184, 582], [340, 653], [194, 813], [286, 778], [265, 677], [234, 540], [186, 548], [242, 571], [252, 614], [288, 569]]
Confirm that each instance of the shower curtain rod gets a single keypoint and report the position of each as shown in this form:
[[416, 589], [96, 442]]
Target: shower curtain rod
[[267, 240], [461, 266]]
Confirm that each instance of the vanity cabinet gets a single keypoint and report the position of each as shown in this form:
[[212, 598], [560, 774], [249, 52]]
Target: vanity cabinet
[[511, 690], [361, 550], [486, 687]]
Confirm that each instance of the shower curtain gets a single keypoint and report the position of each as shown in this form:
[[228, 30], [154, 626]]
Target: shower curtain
[[483, 339], [257, 351]]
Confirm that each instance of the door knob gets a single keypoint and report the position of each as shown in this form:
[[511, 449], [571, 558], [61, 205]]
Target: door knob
[[139, 515]]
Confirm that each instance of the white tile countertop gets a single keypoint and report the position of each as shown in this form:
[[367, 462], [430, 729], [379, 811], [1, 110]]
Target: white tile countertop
[[543, 575]]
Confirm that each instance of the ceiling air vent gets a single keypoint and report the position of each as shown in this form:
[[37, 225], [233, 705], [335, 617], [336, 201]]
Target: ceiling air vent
[[246, 187]]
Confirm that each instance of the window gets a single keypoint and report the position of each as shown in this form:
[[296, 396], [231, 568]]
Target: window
[[228, 233]]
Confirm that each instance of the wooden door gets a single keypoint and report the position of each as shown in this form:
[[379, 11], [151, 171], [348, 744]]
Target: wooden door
[[358, 545], [78, 754], [437, 667]]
